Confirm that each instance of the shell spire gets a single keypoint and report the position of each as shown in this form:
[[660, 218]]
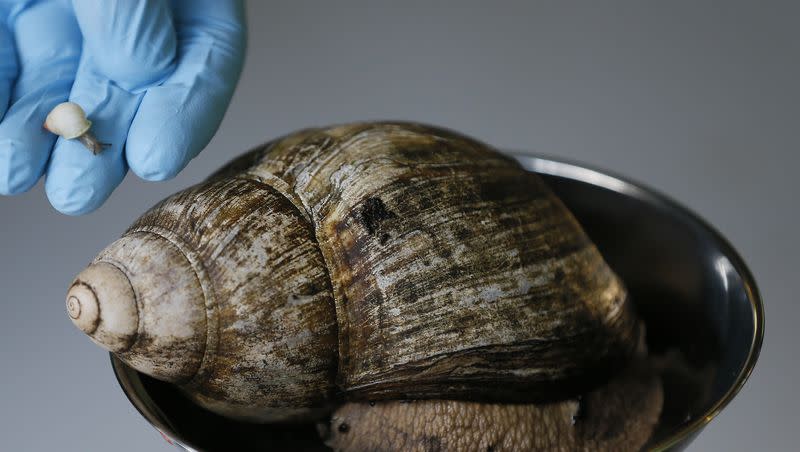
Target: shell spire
[[102, 304], [142, 300]]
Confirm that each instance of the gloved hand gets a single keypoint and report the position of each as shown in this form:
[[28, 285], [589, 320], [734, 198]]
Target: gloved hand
[[154, 76]]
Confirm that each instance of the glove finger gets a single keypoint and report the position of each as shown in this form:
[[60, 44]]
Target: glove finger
[[8, 66], [47, 65], [78, 182], [131, 42], [177, 119], [127, 47]]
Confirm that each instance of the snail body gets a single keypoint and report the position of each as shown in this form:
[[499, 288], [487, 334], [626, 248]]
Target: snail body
[[617, 416], [363, 262]]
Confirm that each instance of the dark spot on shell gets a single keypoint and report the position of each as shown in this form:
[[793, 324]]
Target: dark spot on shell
[[432, 443], [454, 272], [344, 427], [385, 238], [463, 233], [499, 189], [372, 213], [559, 275], [310, 289], [490, 448], [426, 263]]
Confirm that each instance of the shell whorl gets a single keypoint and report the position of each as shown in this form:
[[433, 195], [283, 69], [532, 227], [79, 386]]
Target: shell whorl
[[149, 302], [455, 273], [102, 304]]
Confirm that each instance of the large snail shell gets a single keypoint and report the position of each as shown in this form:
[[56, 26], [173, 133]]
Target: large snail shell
[[373, 261]]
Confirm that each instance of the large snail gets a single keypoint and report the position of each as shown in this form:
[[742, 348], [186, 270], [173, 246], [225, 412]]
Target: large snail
[[366, 264]]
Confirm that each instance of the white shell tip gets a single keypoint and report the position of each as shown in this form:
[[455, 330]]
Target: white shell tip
[[102, 304], [82, 308]]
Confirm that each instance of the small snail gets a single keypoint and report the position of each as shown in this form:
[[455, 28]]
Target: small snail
[[68, 120], [369, 262]]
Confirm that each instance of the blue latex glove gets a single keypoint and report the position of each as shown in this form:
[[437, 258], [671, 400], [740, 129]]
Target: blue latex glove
[[154, 76]]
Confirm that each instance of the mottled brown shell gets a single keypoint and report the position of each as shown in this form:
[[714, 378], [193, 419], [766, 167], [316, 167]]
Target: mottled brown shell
[[383, 261]]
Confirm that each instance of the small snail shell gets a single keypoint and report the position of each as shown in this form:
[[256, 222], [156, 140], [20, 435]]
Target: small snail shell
[[68, 120], [367, 261]]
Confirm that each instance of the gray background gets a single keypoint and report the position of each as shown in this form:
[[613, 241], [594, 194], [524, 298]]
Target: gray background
[[697, 100]]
